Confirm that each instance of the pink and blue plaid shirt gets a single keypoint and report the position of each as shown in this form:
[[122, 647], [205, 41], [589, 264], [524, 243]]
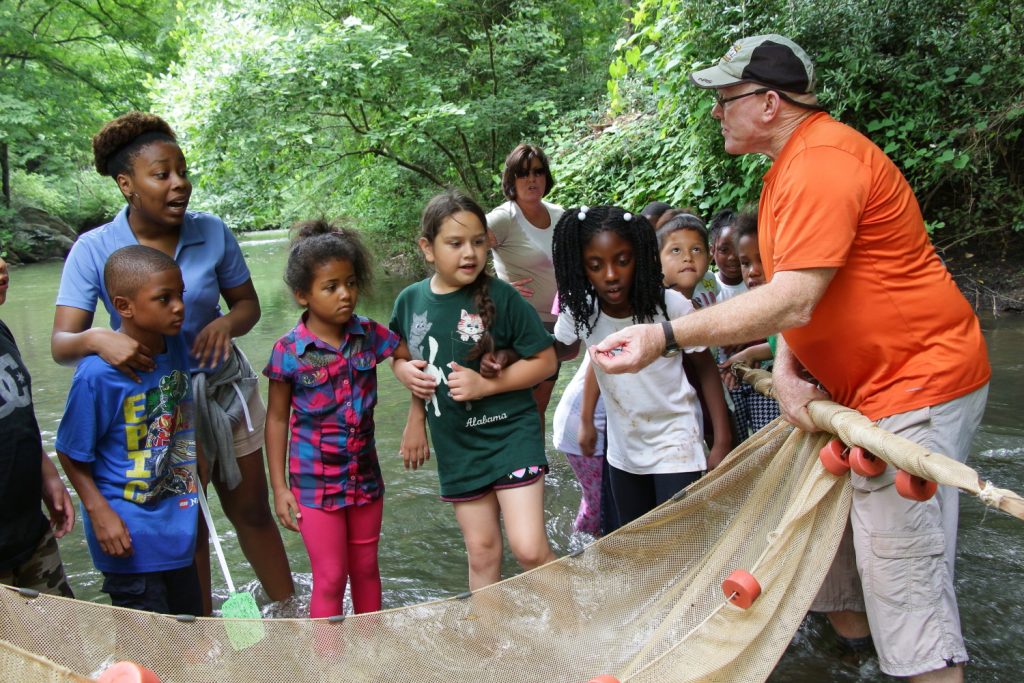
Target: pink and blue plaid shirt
[[332, 456]]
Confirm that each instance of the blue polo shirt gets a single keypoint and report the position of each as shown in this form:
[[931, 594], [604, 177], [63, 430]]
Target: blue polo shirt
[[207, 253]]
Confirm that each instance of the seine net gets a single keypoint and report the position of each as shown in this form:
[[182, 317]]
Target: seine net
[[644, 604]]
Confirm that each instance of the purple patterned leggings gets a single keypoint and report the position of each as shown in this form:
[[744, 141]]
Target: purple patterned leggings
[[588, 472]]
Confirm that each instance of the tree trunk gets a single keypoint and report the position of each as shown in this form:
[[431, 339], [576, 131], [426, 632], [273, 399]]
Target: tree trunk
[[5, 173]]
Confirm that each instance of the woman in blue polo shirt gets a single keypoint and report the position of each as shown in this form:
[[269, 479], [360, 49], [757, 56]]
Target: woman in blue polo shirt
[[140, 152]]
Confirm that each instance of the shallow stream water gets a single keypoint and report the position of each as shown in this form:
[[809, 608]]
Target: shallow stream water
[[421, 552]]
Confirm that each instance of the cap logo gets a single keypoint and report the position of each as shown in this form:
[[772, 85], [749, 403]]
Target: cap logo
[[733, 51]]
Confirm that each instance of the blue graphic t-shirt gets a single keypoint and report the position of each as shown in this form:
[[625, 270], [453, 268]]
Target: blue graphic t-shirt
[[140, 441]]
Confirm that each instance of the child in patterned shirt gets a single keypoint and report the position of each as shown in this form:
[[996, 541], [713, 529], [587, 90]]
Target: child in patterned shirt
[[324, 375]]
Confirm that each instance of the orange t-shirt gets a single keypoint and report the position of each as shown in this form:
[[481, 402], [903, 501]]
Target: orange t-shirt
[[892, 332]]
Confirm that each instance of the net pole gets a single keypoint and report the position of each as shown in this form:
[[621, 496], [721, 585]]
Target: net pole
[[857, 430]]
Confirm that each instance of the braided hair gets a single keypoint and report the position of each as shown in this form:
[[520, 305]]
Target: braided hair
[[441, 207], [117, 144], [576, 295], [314, 243]]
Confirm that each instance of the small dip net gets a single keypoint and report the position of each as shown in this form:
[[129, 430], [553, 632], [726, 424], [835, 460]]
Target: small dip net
[[643, 604]]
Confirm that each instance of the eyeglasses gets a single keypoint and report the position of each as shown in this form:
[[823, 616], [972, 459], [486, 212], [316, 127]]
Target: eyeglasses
[[535, 172], [722, 101]]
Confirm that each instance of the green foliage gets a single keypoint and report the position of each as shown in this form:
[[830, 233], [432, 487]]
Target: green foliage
[[938, 84], [65, 68], [83, 199], [296, 108]]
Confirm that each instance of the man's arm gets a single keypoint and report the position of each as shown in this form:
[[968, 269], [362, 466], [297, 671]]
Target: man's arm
[[785, 302], [792, 390]]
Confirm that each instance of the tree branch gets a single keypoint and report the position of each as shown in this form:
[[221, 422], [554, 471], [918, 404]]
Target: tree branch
[[387, 154], [494, 90], [345, 115], [390, 18], [469, 160], [415, 168]]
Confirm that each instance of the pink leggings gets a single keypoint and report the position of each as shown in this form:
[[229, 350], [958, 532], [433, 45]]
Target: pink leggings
[[342, 544]]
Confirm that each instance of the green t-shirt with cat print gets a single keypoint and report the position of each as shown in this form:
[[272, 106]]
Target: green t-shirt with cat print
[[475, 442]]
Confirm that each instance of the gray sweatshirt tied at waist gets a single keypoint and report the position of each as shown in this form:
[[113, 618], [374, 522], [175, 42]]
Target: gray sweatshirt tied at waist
[[221, 402]]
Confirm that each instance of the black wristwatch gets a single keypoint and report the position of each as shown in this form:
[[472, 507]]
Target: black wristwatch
[[671, 347]]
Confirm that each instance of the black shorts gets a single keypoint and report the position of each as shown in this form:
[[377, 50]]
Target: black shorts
[[521, 477], [172, 591]]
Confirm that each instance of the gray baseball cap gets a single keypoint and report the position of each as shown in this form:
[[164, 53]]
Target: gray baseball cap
[[771, 60]]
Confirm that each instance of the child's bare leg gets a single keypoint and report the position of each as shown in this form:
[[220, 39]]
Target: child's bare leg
[[481, 531], [202, 553], [523, 511]]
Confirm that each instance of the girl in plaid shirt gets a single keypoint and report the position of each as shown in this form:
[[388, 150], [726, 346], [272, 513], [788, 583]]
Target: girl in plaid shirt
[[323, 374]]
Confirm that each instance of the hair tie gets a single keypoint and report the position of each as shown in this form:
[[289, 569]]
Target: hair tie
[[627, 216], [582, 215]]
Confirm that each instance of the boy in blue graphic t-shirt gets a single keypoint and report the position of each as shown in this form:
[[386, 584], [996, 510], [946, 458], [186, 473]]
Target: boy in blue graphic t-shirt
[[128, 447]]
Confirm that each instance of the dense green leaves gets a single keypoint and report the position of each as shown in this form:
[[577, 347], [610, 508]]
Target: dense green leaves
[[356, 107], [938, 84], [295, 108], [65, 67]]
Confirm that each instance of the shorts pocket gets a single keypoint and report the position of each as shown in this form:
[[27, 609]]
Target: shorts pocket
[[907, 571], [313, 391]]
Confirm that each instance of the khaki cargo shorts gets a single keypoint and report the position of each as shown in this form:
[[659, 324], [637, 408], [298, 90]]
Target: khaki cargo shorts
[[896, 560], [246, 441]]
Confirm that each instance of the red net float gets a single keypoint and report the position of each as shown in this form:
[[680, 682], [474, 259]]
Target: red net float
[[604, 678], [866, 464], [741, 588], [913, 487], [128, 672], [834, 457]]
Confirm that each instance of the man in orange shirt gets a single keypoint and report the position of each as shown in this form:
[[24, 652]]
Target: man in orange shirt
[[866, 307]]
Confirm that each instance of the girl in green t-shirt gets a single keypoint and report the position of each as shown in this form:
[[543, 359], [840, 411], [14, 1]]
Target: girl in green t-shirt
[[485, 429]]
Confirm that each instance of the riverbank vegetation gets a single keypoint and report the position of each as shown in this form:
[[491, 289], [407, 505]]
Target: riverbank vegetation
[[289, 108]]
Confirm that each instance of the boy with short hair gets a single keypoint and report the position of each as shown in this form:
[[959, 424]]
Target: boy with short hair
[[129, 447], [29, 557]]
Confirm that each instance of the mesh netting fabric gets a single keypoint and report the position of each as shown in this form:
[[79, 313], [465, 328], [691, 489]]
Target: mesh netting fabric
[[644, 604]]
